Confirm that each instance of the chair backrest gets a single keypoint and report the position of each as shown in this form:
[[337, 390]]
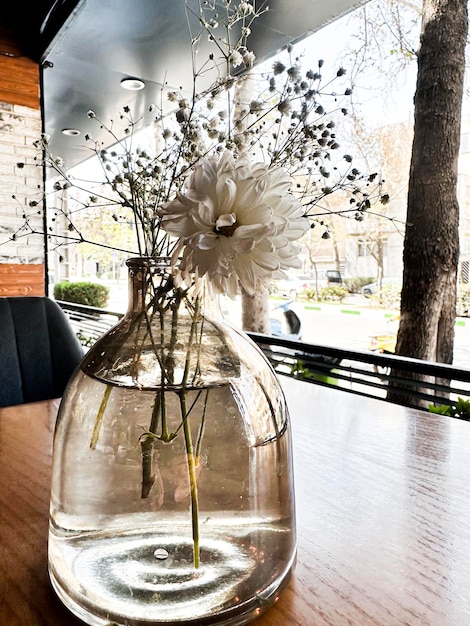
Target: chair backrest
[[38, 350]]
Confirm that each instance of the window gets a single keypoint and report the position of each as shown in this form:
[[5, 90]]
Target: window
[[464, 272], [366, 248]]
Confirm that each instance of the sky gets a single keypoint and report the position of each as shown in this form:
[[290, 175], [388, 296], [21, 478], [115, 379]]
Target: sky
[[381, 100]]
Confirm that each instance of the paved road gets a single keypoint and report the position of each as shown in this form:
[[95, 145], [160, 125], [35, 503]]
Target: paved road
[[350, 327]]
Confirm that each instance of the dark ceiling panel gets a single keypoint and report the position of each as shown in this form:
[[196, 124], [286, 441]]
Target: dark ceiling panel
[[104, 41]]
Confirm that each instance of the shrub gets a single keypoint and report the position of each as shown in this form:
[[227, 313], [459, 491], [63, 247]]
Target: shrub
[[355, 283], [463, 299], [91, 294], [459, 409], [389, 297], [333, 293]]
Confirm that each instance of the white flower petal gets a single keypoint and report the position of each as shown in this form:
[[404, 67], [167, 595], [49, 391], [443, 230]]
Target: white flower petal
[[228, 219], [204, 241], [226, 190]]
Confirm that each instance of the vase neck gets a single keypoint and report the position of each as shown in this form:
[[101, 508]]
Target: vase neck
[[146, 275], [151, 281]]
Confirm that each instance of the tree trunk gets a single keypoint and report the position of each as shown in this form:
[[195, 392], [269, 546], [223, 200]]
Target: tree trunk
[[255, 308], [255, 312], [431, 247]]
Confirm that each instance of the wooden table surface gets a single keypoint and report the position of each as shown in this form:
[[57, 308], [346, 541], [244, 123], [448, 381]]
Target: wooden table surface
[[383, 514]]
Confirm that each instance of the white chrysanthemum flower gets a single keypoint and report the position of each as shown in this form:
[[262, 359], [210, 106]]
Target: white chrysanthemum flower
[[237, 223]]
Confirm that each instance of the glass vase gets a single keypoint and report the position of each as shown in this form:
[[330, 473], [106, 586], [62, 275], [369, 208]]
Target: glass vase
[[172, 496]]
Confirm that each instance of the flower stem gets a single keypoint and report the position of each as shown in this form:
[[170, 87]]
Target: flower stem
[[99, 417], [201, 429], [192, 479], [192, 465], [148, 477]]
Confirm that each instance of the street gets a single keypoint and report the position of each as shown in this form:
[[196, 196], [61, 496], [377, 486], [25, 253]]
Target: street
[[350, 327]]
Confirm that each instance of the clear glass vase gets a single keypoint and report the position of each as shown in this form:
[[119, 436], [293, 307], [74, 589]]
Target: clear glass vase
[[172, 495]]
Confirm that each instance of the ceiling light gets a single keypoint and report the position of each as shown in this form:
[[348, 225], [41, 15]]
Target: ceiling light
[[70, 132], [132, 84]]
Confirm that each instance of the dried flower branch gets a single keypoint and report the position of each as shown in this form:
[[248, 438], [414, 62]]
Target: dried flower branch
[[285, 125], [231, 182]]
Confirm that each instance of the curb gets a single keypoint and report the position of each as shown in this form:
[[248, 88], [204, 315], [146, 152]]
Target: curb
[[387, 314]]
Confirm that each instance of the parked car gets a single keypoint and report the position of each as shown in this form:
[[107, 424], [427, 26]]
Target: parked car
[[333, 277], [371, 288], [294, 285]]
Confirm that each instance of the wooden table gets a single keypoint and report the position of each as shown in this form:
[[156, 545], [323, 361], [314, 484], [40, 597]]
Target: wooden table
[[383, 510]]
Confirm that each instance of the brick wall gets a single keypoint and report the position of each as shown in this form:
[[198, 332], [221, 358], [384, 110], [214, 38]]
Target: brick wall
[[20, 126]]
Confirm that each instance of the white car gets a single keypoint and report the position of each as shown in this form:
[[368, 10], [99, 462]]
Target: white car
[[295, 285], [371, 288]]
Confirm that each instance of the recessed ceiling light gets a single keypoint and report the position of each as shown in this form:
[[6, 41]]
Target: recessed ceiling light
[[133, 84], [70, 132]]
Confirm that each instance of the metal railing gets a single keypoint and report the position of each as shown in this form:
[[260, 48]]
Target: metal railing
[[410, 382], [89, 322]]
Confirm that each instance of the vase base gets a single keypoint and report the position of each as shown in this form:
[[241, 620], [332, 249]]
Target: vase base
[[149, 579]]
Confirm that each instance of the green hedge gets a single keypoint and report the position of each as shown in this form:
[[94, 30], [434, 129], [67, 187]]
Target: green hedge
[[333, 293], [91, 294]]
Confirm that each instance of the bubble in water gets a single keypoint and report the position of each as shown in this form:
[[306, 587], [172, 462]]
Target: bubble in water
[[161, 553]]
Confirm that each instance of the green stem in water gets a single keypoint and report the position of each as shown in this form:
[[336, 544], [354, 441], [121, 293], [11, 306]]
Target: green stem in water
[[99, 417], [201, 429], [159, 414], [147, 441], [188, 441], [192, 479], [148, 477], [146, 445]]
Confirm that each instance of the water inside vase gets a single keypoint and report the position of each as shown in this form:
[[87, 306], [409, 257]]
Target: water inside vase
[[116, 557]]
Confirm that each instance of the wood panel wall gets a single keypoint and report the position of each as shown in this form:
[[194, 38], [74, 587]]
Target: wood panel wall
[[19, 75], [22, 279], [19, 85]]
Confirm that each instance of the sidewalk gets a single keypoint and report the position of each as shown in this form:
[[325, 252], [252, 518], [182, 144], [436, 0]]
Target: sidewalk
[[352, 305], [356, 304]]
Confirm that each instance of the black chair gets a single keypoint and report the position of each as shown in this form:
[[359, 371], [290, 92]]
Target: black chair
[[38, 350]]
